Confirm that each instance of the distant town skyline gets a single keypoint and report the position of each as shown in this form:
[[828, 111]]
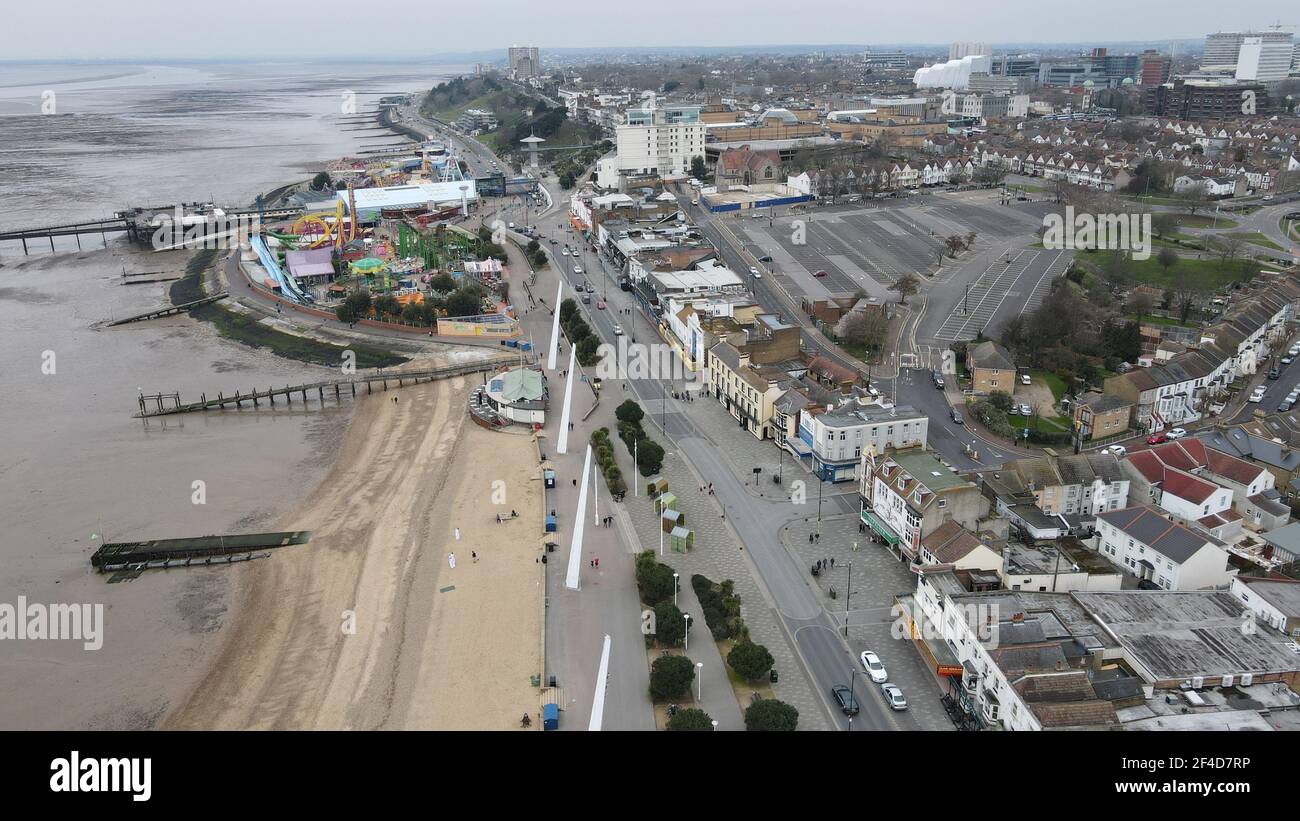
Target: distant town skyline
[[238, 29]]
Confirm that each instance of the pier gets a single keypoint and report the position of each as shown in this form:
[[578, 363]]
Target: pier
[[170, 309], [167, 404]]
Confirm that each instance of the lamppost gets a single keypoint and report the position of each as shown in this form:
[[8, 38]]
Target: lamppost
[[675, 586], [848, 594], [699, 681], [715, 725], [686, 632]]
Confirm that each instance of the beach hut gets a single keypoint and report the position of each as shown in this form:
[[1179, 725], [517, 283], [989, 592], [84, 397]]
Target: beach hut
[[550, 522], [548, 476], [664, 501], [671, 518], [681, 539], [655, 485]]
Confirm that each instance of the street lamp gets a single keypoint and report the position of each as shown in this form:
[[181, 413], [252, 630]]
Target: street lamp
[[675, 585], [699, 681], [715, 725], [686, 632]]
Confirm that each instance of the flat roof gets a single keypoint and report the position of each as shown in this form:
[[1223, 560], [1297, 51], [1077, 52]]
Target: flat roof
[[1183, 634]]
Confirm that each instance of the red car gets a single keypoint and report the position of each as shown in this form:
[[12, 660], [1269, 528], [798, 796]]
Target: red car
[[1157, 439], [820, 274], [600, 305]]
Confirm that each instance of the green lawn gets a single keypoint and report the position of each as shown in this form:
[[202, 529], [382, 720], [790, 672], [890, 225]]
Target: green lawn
[[1151, 200], [1257, 238], [1053, 382], [1161, 320], [1205, 221], [1198, 274], [1042, 424]]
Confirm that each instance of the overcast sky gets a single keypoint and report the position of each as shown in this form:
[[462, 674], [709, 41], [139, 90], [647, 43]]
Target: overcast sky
[[360, 28]]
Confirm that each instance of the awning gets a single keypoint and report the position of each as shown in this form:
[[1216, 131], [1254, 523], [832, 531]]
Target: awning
[[798, 446], [879, 527]]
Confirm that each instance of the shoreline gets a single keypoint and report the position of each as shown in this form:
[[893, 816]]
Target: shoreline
[[427, 638]]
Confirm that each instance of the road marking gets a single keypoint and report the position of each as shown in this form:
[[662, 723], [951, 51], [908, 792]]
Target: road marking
[[602, 683]]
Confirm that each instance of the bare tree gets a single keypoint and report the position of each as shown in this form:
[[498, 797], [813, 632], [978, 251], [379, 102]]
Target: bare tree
[[906, 285], [1193, 198]]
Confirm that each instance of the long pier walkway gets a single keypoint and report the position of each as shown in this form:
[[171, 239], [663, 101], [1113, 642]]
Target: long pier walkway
[[169, 310], [166, 404]]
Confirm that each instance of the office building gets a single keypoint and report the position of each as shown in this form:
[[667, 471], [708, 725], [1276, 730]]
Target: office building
[[525, 62], [1264, 56]]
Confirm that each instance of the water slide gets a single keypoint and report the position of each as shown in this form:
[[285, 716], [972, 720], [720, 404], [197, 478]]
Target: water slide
[[288, 285]]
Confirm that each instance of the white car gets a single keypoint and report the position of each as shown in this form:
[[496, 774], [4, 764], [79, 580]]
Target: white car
[[1025, 380], [577, 269], [1025, 410], [1257, 394], [1288, 359], [565, 252], [1117, 450], [871, 663], [618, 330], [1176, 433], [893, 696]]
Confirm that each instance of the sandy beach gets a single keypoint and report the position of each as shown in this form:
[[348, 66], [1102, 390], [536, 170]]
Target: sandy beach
[[368, 626]]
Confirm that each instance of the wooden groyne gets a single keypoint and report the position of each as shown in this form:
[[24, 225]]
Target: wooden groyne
[[166, 404], [202, 550], [169, 310]]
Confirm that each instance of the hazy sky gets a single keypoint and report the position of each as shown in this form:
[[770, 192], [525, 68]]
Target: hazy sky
[[359, 28]]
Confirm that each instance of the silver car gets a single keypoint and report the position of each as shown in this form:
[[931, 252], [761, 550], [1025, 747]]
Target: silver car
[[893, 696]]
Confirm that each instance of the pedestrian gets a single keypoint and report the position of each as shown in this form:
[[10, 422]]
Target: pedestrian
[[810, 538], [575, 482], [451, 560], [832, 562], [597, 562], [474, 555], [458, 534], [570, 426]]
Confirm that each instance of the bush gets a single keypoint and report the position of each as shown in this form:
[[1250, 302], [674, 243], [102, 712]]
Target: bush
[[670, 625], [649, 457], [770, 715], [691, 719], [1000, 400], [751, 661], [654, 579], [629, 411], [671, 677]]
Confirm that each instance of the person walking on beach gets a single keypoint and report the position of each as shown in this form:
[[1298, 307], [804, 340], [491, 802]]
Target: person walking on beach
[[474, 555]]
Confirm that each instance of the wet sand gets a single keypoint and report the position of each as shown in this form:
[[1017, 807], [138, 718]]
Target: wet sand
[[433, 647]]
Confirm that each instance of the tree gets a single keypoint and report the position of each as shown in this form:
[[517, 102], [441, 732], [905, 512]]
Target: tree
[[906, 285], [465, 301], [649, 457], [1140, 304], [751, 661], [1167, 258], [345, 312], [954, 244], [691, 719], [1000, 400], [654, 579], [629, 411], [443, 283], [770, 715], [698, 169], [866, 329], [1164, 224], [671, 677], [1193, 198], [670, 625], [321, 181]]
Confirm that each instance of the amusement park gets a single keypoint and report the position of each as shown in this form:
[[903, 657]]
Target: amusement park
[[387, 240]]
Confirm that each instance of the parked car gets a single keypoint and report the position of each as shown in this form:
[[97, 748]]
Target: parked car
[[565, 252], [1116, 450], [844, 697], [1284, 406], [1157, 438], [1025, 380], [1257, 394], [618, 330], [893, 696], [1176, 433], [1274, 373], [577, 269], [956, 417], [871, 663], [1288, 359], [938, 382], [1025, 410]]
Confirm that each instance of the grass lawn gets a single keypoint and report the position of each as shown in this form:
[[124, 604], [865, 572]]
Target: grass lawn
[[1161, 320], [1052, 381], [1205, 221], [1257, 238], [1199, 274], [1151, 200], [1042, 424]]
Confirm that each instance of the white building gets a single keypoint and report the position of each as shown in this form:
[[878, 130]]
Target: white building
[[1152, 547], [654, 141], [1264, 56], [1276, 602], [839, 437], [952, 74], [956, 51]]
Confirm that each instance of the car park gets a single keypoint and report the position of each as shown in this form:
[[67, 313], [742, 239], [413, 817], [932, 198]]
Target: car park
[[844, 698], [893, 696], [871, 663], [1176, 433]]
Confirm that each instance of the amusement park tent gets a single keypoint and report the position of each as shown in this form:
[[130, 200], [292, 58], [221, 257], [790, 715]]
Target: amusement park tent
[[370, 201], [312, 262]]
